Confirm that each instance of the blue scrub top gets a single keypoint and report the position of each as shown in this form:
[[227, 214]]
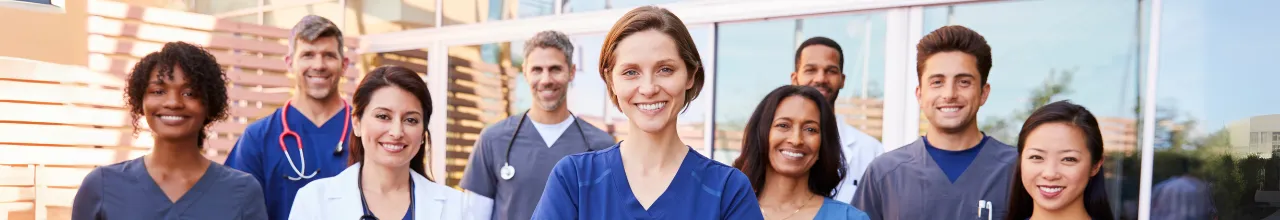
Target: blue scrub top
[[258, 153], [836, 210], [126, 191], [593, 185]]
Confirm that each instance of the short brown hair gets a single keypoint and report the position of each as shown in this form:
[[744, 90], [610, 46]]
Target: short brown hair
[[954, 38], [652, 18], [313, 27]]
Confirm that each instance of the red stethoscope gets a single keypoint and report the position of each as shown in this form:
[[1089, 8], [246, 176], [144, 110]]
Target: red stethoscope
[[284, 120]]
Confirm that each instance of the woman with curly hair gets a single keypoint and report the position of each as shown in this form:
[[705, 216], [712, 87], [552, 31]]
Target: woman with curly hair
[[180, 91]]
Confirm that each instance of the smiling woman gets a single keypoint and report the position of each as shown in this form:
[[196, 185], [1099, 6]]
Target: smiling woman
[[1056, 177], [180, 91]]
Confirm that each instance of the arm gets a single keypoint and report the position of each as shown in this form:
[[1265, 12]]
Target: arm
[[255, 206], [478, 207], [247, 155], [479, 182], [742, 198], [559, 198], [88, 201], [868, 196]]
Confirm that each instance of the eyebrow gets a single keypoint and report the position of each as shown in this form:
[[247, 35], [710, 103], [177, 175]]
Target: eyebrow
[[1061, 151], [389, 110]]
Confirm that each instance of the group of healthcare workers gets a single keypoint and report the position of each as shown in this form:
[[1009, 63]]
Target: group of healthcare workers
[[798, 160]]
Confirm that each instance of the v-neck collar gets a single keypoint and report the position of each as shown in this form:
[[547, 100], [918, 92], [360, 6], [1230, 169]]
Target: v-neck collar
[[631, 205], [935, 170], [293, 111], [184, 201]]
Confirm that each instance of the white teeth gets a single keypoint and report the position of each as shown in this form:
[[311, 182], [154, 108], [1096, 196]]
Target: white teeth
[[171, 118], [393, 147], [792, 154], [1051, 189], [949, 109], [650, 107]]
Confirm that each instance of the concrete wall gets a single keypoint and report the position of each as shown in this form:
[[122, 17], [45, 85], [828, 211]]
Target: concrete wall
[[54, 38]]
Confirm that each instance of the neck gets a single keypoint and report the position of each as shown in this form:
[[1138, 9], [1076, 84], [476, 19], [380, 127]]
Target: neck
[[956, 141], [651, 152], [180, 154], [317, 110], [549, 116], [781, 189], [382, 179], [1074, 211]]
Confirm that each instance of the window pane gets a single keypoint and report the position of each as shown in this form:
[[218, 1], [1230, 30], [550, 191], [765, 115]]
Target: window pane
[[480, 11], [756, 57], [1214, 77], [595, 5], [1044, 51]]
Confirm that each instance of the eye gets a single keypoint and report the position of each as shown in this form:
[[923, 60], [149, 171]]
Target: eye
[[811, 130], [156, 92], [935, 82], [189, 94], [667, 70], [1070, 159], [412, 121], [1035, 157], [382, 116], [965, 82], [782, 125], [630, 72]]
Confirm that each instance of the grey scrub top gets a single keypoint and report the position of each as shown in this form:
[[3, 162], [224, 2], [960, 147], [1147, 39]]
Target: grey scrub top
[[907, 183], [126, 191], [532, 159]]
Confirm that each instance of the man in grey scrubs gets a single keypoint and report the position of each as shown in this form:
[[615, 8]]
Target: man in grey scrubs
[[954, 171], [505, 177]]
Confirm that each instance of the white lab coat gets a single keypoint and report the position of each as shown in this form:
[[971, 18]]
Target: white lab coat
[[859, 150], [338, 197]]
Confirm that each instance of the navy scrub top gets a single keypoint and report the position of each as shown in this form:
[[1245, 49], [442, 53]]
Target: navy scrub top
[[126, 191], [258, 153], [594, 185]]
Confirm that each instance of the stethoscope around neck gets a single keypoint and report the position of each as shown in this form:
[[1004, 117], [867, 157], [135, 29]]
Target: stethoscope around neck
[[507, 171], [284, 121], [368, 214]]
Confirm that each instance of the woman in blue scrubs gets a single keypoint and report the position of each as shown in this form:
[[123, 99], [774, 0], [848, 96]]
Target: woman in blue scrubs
[[652, 71], [791, 153], [180, 91], [387, 177], [1059, 156]]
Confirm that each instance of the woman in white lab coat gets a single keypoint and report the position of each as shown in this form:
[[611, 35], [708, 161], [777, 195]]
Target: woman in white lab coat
[[386, 178]]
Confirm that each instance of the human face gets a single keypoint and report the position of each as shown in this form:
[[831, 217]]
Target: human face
[[172, 108], [391, 128], [650, 80], [1056, 166], [549, 75], [317, 67], [794, 137], [819, 68], [951, 91]]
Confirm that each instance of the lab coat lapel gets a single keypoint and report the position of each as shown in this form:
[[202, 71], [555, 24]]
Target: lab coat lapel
[[343, 196], [427, 200]]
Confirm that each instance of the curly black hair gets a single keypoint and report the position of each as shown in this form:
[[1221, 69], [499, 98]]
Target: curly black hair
[[203, 74]]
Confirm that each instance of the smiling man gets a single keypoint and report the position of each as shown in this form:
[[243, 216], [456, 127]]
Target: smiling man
[[820, 64], [512, 159], [315, 117], [954, 171]]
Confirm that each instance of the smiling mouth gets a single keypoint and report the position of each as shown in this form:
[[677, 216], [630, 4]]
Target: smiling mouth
[[651, 107], [1051, 191], [393, 148], [949, 109], [792, 154]]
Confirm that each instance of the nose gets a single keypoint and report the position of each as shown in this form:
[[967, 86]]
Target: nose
[[648, 86], [173, 100], [949, 93], [1051, 172], [821, 79], [397, 130], [794, 138]]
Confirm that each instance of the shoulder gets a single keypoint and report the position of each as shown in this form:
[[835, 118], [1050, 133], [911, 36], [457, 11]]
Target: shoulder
[[595, 135], [834, 209], [892, 160], [1006, 153], [578, 164], [239, 180], [262, 125], [711, 171], [98, 175], [502, 128]]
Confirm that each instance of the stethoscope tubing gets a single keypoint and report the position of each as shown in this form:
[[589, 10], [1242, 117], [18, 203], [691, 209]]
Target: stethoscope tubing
[[284, 121]]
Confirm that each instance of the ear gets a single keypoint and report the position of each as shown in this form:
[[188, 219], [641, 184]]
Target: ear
[[986, 91], [922, 101], [689, 83], [355, 126], [345, 62], [573, 71], [288, 61], [1098, 167], [840, 83], [794, 79]]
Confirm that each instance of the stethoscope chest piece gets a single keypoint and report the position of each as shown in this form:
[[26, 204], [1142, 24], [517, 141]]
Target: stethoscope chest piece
[[507, 171]]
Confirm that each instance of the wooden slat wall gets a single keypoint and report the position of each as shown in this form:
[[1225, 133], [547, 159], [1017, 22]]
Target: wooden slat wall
[[66, 120], [477, 98]]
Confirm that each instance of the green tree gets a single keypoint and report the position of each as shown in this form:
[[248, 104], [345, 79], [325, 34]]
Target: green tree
[[1006, 129]]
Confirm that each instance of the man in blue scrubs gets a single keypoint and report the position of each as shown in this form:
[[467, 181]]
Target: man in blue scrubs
[[547, 133], [954, 171], [820, 64], [316, 113]]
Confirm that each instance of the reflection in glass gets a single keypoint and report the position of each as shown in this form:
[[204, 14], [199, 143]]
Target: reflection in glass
[[1044, 51], [1217, 118], [480, 11], [595, 5], [756, 55]]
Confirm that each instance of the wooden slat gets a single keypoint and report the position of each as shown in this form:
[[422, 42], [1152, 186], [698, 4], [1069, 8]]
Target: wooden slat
[[240, 77], [877, 123], [463, 129], [228, 127], [66, 156], [16, 194], [107, 45], [64, 114], [17, 210], [420, 54], [870, 112], [157, 33], [419, 68], [20, 175], [175, 18], [61, 197], [57, 93], [253, 113], [220, 144], [14, 68], [248, 95], [57, 135], [63, 176]]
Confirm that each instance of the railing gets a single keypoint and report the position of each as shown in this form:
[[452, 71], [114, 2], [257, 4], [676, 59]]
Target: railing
[[62, 121]]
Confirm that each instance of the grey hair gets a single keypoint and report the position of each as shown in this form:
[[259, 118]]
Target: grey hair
[[312, 27], [550, 39]]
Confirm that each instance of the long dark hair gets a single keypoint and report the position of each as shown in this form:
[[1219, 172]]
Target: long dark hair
[[402, 78], [825, 174], [1095, 194]]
